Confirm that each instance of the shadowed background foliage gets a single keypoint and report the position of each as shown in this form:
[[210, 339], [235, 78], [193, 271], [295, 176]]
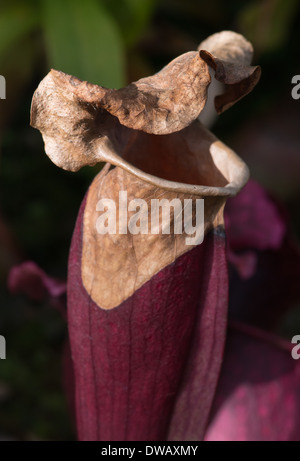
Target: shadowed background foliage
[[111, 44]]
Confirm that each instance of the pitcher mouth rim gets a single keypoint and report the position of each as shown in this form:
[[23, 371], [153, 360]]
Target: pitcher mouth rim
[[238, 168]]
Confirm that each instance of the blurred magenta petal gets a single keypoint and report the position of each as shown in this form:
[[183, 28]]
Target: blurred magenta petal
[[244, 263], [264, 259], [274, 289], [258, 396], [253, 220], [29, 279]]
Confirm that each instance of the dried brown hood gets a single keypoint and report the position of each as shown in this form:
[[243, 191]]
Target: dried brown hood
[[83, 124]]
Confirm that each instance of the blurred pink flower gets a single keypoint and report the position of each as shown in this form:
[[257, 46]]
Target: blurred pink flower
[[264, 258], [257, 398], [29, 279], [253, 222]]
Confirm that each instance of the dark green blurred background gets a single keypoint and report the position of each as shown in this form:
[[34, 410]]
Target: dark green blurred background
[[112, 42]]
